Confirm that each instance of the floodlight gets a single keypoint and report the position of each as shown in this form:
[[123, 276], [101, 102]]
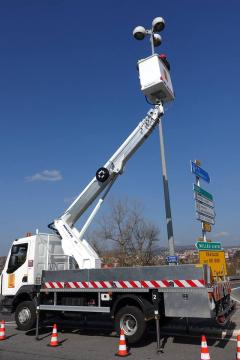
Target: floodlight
[[158, 24], [157, 40], [139, 32]]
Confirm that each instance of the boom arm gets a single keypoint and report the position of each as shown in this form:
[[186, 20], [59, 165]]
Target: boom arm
[[72, 245]]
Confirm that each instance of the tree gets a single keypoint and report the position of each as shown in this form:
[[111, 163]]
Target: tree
[[234, 264], [131, 236]]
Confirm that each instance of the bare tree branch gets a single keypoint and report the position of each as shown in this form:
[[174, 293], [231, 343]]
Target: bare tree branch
[[130, 235]]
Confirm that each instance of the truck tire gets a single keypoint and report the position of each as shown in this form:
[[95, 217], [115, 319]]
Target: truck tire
[[131, 319], [25, 315]]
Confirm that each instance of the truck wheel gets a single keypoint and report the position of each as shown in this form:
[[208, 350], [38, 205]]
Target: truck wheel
[[25, 315], [131, 320]]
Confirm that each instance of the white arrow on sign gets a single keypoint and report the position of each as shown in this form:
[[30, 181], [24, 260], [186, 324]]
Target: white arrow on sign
[[205, 218], [205, 210], [203, 200]]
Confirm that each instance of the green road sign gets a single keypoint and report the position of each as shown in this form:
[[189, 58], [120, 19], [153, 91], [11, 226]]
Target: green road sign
[[202, 245], [202, 192]]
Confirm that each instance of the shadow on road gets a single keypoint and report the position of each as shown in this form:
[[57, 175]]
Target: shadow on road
[[10, 336], [173, 329]]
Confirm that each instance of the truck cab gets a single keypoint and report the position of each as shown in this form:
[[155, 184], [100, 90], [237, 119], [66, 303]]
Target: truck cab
[[27, 258]]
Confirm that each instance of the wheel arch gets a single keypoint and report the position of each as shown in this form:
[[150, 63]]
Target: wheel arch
[[25, 293], [132, 300], [19, 299]]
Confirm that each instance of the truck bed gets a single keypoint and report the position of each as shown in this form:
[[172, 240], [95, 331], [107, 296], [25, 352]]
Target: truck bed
[[142, 277]]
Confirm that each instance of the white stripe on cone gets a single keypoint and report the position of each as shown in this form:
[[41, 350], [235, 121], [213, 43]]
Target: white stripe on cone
[[2, 329], [205, 356], [122, 347], [238, 349]]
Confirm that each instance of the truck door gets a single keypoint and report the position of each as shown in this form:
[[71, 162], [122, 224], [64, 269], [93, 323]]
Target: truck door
[[15, 272]]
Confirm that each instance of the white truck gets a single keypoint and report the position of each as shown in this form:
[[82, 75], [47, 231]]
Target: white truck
[[61, 272]]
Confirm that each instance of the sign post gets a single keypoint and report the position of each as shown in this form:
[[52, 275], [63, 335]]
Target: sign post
[[210, 253], [203, 199]]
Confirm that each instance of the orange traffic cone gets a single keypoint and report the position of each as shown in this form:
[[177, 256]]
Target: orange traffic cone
[[54, 337], [204, 349], [238, 348], [122, 345], [2, 330]]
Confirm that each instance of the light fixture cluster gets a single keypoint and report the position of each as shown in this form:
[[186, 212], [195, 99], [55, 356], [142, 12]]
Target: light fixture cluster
[[158, 24]]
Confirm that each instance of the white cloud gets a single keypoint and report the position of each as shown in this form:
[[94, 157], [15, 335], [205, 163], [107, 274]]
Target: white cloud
[[45, 175], [221, 234]]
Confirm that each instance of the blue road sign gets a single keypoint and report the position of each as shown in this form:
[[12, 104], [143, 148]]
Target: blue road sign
[[172, 259], [199, 172]]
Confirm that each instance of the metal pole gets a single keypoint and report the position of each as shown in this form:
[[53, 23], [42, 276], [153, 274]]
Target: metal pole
[[166, 193], [37, 325], [203, 231], [37, 320], [152, 42], [159, 348], [95, 210]]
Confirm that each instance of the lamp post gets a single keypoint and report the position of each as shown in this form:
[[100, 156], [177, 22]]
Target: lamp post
[[139, 33]]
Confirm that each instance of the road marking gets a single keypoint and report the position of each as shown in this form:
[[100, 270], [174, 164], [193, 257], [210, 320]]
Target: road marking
[[213, 337], [236, 288], [237, 300]]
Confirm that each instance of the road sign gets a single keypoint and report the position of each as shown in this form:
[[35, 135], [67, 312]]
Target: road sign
[[202, 192], [216, 260], [206, 227], [205, 210], [205, 218], [172, 259], [203, 200], [199, 172], [212, 246]]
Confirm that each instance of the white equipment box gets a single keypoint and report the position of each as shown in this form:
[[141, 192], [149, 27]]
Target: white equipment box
[[155, 80]]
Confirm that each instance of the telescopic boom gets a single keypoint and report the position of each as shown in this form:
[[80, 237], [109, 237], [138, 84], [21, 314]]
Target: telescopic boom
[[72, 242]]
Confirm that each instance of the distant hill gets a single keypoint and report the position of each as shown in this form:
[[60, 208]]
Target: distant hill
[[191, 247]]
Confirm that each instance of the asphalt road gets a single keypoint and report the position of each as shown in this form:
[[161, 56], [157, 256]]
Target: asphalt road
[[236, 291], [90, 343], [99, 344]]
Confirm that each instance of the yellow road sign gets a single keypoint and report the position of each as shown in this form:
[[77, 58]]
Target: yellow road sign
[[216, 260], [206, 227]]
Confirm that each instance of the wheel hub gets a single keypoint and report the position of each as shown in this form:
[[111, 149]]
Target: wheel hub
[[24, 315], [129, 324]]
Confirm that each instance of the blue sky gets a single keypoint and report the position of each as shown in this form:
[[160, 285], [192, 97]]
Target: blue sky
[[69, 96]]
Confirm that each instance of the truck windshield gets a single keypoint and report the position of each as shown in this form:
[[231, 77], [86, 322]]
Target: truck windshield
[[17, 258]]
